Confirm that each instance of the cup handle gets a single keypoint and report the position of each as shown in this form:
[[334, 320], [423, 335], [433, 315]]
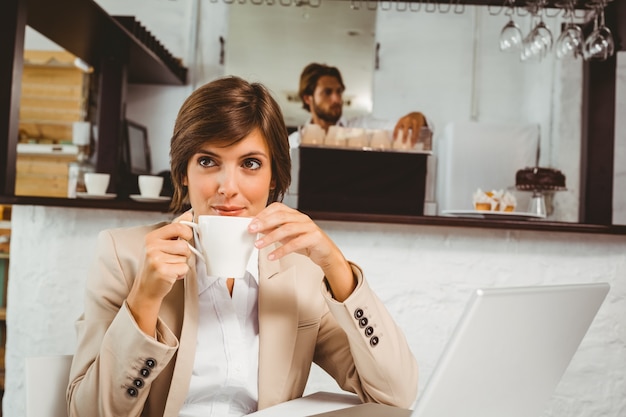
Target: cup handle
[[194, 226]]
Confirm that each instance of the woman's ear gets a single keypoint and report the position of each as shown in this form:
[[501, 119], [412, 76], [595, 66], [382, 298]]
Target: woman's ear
[[185, 182]]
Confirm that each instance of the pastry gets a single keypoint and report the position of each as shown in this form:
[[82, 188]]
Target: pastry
[[495, 200]]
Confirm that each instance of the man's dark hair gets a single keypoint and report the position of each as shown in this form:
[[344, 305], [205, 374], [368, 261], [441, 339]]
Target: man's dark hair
[[309, 77]]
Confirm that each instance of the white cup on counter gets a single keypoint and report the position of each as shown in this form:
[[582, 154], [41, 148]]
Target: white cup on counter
[[357, 138], [150, 186], [312, 134], [381, 139], [97, 183], [336, 136], [225, 244]]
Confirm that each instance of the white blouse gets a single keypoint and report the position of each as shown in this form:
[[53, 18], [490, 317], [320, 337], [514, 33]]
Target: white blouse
[[225, 370]]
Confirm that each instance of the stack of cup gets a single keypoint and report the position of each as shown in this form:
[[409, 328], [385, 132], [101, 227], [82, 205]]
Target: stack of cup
[[81, 137], [381, 139], [312, 134]]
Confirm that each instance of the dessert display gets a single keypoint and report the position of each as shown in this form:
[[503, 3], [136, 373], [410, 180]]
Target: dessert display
[[499, 200], [537, 178]]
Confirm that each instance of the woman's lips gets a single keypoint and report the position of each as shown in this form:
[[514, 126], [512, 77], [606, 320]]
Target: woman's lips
[[228, 210]]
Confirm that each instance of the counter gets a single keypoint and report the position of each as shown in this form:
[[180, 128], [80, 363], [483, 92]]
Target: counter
[[448, 221]]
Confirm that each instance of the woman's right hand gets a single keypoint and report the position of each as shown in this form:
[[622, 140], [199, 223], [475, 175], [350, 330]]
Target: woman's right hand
[[165, 261]]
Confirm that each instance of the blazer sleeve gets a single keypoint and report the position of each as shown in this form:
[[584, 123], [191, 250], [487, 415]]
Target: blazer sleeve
[[115, 362], [363, 349]]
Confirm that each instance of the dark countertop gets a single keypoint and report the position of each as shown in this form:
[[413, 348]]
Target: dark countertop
[[447, 221]]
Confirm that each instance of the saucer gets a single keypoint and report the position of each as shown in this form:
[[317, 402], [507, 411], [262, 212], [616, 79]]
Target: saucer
[[142, 199], [108, 196]]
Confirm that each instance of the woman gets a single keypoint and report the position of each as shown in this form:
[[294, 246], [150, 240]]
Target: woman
[[160, 337]]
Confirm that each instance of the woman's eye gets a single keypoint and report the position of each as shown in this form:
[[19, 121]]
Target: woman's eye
[[205, 161], [252, 164]]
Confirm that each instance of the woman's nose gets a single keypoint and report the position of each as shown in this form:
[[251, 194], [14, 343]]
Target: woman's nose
[[227, 183]]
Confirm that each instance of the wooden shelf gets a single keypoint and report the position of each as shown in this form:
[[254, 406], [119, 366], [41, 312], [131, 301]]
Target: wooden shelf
[[120, 203], [83, 28], [3, 314]]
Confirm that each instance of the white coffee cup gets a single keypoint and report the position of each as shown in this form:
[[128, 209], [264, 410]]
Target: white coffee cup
[[312, 134], [97, 183], [150, 185], [357, 138], [381, 139], [225, 244]]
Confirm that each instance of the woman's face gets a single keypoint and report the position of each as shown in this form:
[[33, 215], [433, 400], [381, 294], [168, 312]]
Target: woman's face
[[230, 181]]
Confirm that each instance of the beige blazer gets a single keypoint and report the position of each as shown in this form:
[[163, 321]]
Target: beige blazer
[[117, 370]]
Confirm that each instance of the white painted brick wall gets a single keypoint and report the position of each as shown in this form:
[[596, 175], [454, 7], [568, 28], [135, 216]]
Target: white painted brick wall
[[423, 273]]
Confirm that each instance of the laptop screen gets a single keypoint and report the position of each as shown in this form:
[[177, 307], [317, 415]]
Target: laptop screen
[[509, 350], [504, 359]]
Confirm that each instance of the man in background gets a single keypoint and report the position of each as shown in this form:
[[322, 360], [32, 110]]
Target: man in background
[[321, 91]]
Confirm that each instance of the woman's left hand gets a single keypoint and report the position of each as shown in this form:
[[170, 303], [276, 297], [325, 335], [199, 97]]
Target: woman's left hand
[[298, 233]]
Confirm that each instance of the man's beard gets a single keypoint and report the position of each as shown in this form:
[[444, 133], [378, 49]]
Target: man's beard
[[330, 116]]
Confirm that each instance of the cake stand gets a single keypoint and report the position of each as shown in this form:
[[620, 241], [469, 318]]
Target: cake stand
[[537, 203]]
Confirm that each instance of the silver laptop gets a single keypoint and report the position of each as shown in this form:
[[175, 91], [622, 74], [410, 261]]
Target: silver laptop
[[506, 356]]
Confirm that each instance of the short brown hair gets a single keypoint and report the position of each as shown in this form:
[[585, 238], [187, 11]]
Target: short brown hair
[[225, 111], [309, 77]]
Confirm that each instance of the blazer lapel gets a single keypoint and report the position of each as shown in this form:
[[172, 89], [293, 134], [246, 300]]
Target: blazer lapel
[[278, 325]]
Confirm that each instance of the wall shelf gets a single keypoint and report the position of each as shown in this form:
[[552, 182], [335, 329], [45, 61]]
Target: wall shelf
[[108, 44], [114, 204], [87, 31]]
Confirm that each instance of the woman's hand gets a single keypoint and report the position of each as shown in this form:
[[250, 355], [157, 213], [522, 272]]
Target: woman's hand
[[298, 233], [165, 261]]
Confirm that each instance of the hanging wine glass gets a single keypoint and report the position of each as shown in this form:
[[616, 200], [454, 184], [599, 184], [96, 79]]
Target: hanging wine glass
[[570, 42], [606, 32], [511, 36], [539, 40], [531, 46], [544, 37], [599, 45]]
